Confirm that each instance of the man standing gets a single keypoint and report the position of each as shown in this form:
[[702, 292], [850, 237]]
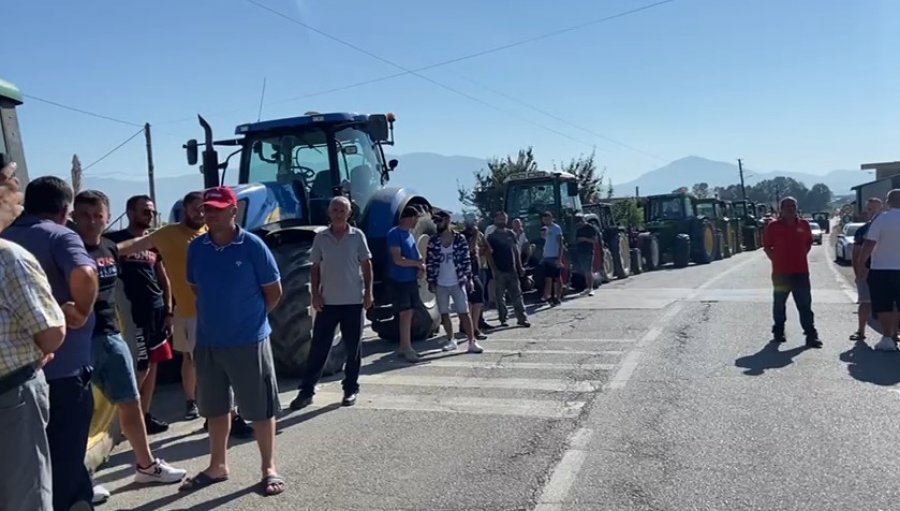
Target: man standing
[[341, 284], [787, 241], [586, 237], [883, 246], [112, 361], [73, 280], [551, 260], [522, 240], [237, 284], [146, 304], [449, 275], [507, 268], [403, 270], [864, 311], [34, 327]]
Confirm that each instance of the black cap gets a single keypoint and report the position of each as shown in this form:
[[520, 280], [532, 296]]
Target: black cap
[[409, 212]]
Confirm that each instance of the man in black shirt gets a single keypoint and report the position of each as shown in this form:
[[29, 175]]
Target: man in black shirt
[[146, 304], [113, 365], [506, 268], [864, 311], [586, 238]]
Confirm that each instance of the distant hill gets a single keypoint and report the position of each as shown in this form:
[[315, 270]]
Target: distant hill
[[694, 169], [436, 176]]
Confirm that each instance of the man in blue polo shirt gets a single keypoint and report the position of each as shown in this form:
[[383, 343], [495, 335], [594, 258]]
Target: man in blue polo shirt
[[237, 283], [404, 268]]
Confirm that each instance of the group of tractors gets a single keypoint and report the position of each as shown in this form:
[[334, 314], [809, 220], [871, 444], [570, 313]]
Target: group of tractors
[[678, 228]]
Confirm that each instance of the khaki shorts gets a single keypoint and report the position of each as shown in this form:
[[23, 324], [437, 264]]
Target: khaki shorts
[[184, 334]]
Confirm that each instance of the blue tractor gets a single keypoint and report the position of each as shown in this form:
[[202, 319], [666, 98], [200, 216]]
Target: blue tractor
[[289, 171]]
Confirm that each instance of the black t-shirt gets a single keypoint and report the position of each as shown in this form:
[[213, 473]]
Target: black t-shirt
[[586, 230], [504, 250], [859, 237], [106, 256], [138, 274]]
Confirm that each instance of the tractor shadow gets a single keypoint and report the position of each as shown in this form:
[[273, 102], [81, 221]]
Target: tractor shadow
[[768, 358]]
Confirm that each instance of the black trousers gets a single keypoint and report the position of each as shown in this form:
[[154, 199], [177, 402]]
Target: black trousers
[[71, 410], [797, 284], [349, 319]]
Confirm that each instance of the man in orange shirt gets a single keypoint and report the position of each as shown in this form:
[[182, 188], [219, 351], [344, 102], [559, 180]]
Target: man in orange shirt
[[787, 241]]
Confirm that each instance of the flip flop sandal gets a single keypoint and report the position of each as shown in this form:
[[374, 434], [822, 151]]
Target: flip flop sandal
[[200, 481], [272, 485], [858, 337]]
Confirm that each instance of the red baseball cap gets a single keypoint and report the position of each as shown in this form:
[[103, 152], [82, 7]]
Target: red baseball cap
[[219, 197]]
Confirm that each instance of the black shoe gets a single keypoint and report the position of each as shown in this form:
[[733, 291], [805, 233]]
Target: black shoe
[[154, 426], [485, 327], [349, 399], [300, 402], [191, 411], [480, 336], [813, 342], [524, 324], [240, 428]]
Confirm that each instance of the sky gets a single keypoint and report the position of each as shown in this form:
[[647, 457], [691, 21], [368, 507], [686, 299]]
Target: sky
[[802, 85]]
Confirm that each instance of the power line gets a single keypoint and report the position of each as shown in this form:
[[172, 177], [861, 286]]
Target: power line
[[82, 111], [114, 149], [416, 73]]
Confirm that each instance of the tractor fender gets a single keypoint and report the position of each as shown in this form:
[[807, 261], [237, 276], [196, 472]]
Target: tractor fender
[[293, 234], [382, 213]]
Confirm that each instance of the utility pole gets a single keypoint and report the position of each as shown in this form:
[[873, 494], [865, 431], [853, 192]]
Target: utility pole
[[741, 171], [150, 167]]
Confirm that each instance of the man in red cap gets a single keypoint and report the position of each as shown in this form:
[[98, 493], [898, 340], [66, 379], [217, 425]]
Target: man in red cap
[[237, 284]]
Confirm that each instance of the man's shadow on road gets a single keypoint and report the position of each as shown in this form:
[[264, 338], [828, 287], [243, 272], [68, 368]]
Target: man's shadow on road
[[870, 366], [769, 357]]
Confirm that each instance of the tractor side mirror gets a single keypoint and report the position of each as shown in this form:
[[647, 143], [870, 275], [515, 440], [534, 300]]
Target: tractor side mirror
[[378, 127], [572, 188], [192, 153], [393, 164]]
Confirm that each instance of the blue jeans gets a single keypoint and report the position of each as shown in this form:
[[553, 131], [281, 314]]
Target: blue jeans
[[798, 285], [114, 369], [71, 409]]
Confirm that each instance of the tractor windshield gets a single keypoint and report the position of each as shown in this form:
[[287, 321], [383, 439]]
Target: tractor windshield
[[670, 208], [531, 198], [707, 209], [303, 155], [740, 209]]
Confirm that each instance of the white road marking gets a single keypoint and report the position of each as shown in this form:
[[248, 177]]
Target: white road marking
[[543, 342], [536, 408], [566, 471], [512, 364], [472, 382], [849, 290], [604, 353]]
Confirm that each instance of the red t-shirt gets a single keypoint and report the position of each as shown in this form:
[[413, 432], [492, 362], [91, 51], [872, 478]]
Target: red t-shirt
[[788, 242]]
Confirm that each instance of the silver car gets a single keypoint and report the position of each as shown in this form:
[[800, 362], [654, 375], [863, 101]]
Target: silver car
[[843, 247]]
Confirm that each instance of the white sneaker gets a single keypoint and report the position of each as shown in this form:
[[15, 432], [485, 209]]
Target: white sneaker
[[474, 347], [159, 472], [101, 495], [886, 344], [591, 292], [449, 345]]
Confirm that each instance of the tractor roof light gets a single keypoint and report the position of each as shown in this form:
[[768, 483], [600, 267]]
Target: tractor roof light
[[391, 117]]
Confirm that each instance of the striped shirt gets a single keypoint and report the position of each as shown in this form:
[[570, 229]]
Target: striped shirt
[[27, 307]]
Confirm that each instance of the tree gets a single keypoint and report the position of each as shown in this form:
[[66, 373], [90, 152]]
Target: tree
[[701, 190], [818, 198], [487, 194], [590, 182], [628, 213]]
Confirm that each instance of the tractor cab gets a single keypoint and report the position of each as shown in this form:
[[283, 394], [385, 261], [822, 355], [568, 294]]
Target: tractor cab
[[668, 208], [290, 169], [823, 218], [529, 194]]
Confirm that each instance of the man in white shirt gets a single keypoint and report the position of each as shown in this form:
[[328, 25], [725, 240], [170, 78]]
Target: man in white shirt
[[883, 245]]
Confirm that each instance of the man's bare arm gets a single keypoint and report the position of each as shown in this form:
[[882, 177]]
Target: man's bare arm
[[403, 262], [315, 279], [162, 276], [367, 275], [859, 264], [83, 287], [50, 339], [272, 294], [135, 245]]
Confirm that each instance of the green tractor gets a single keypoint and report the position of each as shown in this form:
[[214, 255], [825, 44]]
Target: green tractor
[[728, 235], [751, 227], [683, 235], [527, 195], [622, 243], [823, 218], [11, 149]]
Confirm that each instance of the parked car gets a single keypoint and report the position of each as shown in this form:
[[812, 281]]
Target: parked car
[[843, 247], [816, 233]]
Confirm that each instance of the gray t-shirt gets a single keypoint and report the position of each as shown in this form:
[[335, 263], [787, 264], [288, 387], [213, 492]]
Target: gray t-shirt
[[339, 265]]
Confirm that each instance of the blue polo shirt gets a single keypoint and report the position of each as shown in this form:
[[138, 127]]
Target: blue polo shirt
[[231, 308], [404, 239]]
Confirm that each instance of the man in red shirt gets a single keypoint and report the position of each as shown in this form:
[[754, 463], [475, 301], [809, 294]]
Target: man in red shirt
[[787, 242]]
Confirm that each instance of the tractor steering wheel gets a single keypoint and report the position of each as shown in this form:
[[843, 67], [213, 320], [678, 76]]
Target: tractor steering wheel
[[307, 173]]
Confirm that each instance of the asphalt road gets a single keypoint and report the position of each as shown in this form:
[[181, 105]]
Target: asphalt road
[[661, 392]]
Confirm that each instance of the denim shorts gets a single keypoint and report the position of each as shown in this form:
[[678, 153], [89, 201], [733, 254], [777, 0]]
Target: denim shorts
[[114, 368]]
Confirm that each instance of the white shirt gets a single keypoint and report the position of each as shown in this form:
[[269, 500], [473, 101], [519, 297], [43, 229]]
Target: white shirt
[[447, 274], [885, 232]]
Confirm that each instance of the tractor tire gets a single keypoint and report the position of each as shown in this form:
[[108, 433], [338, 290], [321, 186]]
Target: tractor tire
[[727, 248], [721, 247], [681, 252], [750, 237], [292, 320], [621, 256], [608, 270], [637, 266], [426, 319], [649, 251], [737, 239], [703, 242]]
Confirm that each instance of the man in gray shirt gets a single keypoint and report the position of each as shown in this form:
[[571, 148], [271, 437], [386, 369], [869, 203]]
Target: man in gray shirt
[[341, 288]]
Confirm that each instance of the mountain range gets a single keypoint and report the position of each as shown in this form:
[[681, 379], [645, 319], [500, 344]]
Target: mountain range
[[437, 176]]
